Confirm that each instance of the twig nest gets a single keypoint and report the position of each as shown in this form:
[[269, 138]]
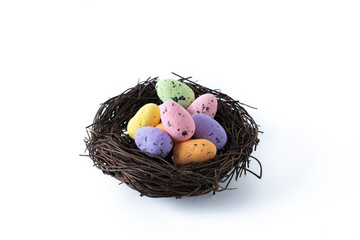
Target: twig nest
[[118, 141]]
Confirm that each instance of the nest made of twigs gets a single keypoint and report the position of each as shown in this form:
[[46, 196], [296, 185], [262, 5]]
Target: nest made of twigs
[[116, 154]]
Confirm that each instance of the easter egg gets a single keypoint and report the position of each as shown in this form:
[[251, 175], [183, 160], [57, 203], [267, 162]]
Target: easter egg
[[168, 89], [160, 126], [210, 129], [153, 140], [177, 122], [147, 115], [205, 104], [194, 150]]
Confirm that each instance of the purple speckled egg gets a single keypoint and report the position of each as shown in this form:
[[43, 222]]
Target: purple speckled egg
[[153, 140], [209, 129], [177, 122], [205, 104]]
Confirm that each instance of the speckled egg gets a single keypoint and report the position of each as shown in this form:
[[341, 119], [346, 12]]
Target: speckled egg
[[153, 140], [168, 89], [147, 115], [210, 129], [177, 122], [205, 104], [161, 126], [194, 150]]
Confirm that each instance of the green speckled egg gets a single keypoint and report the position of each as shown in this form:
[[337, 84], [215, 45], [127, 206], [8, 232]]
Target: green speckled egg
[[168, 89]]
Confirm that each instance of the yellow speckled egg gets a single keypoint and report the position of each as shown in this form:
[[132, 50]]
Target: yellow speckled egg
[[148, 115], [194, 150]]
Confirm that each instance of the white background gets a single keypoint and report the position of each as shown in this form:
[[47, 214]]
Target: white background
[[296, 61]]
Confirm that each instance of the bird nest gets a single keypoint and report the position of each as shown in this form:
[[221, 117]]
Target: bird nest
[[116, 154]]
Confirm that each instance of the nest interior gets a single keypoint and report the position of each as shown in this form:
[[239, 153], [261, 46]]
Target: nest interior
[[115, 153]]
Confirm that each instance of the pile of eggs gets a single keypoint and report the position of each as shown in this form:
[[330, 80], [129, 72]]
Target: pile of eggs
[[187, 126]]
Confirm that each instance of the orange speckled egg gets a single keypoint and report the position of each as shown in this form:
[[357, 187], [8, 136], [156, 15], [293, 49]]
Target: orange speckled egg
[[194, 150], [161, 126]]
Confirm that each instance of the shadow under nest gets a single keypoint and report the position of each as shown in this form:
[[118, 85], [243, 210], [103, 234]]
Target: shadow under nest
[[116, 154]]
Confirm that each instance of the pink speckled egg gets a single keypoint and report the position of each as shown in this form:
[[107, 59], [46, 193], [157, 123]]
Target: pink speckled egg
[[205, 104], [177, 122]]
